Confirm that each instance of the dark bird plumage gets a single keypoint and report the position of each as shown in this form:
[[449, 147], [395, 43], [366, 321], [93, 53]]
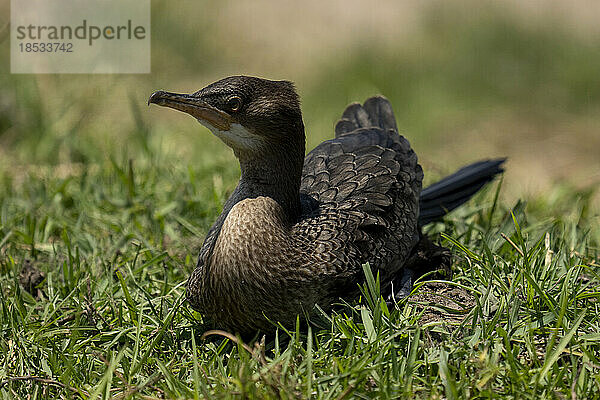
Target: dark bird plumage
[[297, 230]]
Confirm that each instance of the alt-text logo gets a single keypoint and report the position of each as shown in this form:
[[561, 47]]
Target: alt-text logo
[[74, 36]]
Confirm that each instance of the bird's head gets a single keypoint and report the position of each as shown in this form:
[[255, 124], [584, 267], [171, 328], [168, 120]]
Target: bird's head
[[253, 116]]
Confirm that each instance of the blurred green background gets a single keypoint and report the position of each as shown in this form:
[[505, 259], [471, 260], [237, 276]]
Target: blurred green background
[[467, 79]]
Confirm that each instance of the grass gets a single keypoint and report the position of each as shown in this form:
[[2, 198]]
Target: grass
[[112, 212], [115, 243]]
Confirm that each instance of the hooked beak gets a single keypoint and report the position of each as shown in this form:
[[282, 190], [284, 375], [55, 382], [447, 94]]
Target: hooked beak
[[197, 108]]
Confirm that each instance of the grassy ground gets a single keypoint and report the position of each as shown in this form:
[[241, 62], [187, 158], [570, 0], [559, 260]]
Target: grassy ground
[[114, 244], [104, 204]]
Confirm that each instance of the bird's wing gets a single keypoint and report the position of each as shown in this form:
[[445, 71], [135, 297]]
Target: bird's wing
[[362, 188], [352, 169]]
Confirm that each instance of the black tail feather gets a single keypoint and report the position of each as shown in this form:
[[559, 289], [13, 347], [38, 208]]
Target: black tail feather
[[444, 196]]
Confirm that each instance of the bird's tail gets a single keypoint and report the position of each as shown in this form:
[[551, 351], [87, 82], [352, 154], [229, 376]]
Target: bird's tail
[[444, 196]]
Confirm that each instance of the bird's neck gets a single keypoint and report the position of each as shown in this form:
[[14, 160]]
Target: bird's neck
[[275, 175]]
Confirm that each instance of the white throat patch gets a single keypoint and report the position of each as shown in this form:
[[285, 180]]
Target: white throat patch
[[237, 137]]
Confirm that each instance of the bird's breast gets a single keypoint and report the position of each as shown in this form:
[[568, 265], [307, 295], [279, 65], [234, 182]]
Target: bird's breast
[[254, 238]]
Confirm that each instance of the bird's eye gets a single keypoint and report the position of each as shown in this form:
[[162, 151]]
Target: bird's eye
[[234, 104]]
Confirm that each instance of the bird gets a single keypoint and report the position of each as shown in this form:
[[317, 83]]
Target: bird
[[297, 229]]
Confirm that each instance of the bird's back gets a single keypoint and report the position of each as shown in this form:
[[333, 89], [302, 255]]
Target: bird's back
[[360, 195]]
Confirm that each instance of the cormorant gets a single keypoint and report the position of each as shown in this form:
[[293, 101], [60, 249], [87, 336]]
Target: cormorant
[[297, 230]]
